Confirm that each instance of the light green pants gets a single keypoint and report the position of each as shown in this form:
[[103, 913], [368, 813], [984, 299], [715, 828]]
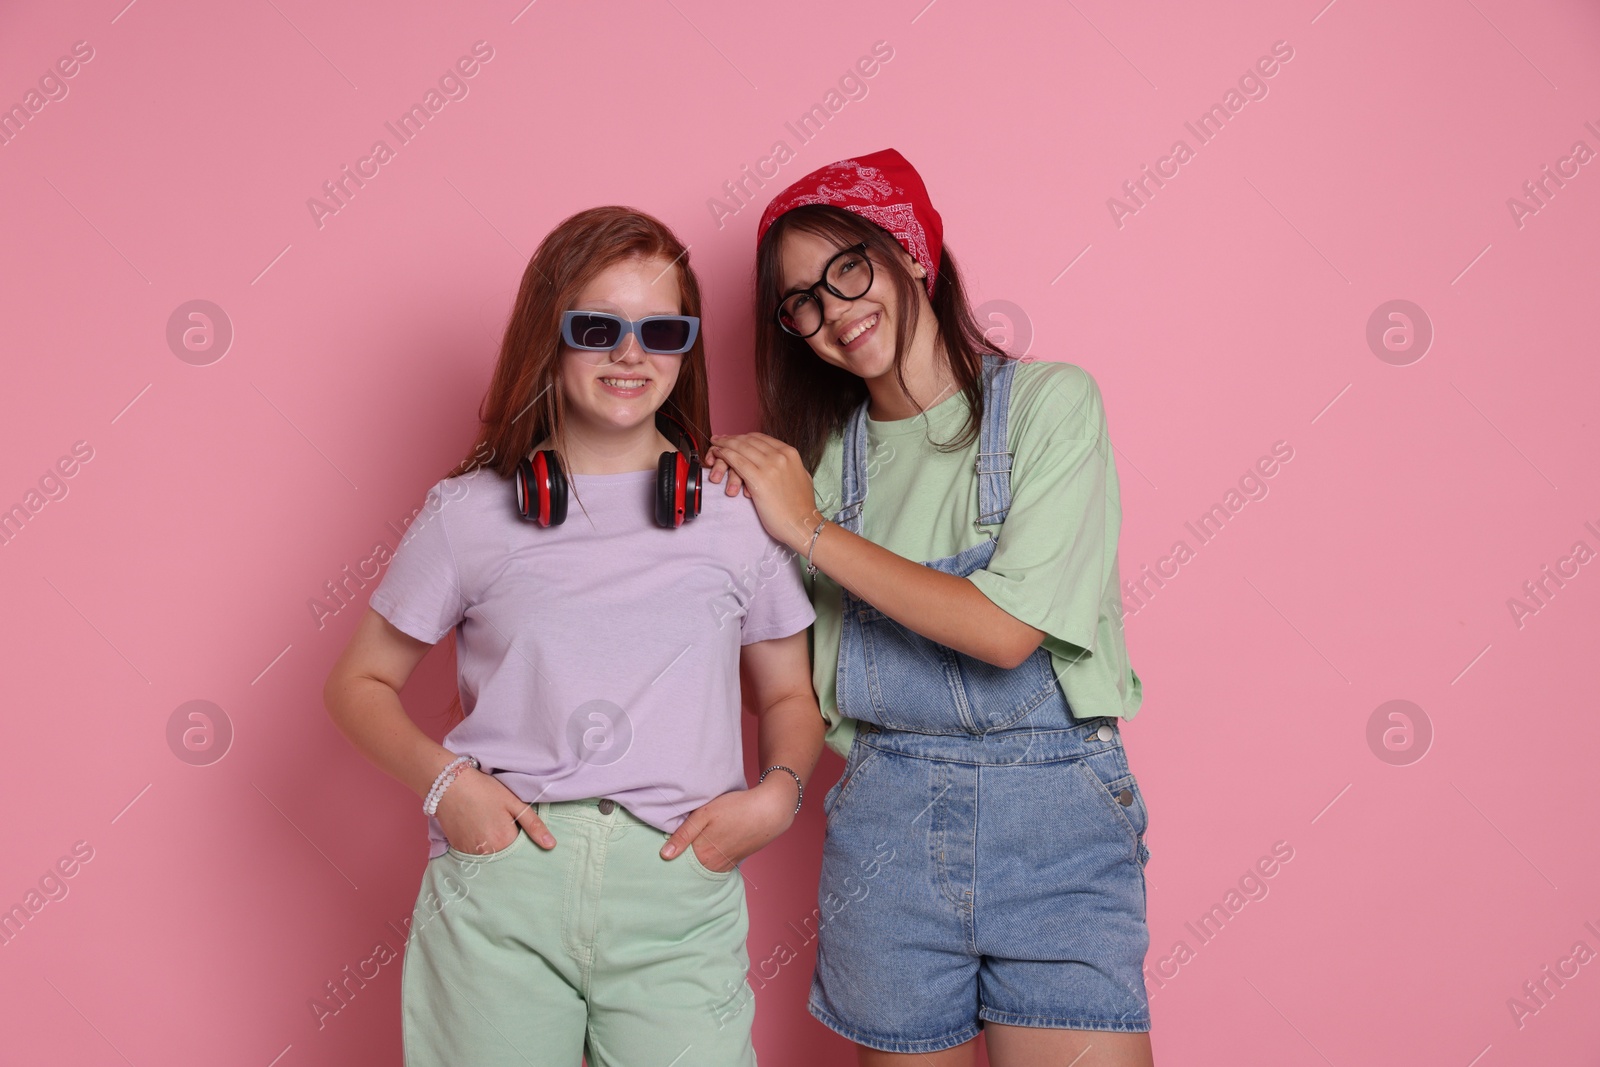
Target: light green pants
[[598, 948]]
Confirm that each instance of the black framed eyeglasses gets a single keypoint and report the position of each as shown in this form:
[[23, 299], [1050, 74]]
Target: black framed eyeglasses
[[848, 276]]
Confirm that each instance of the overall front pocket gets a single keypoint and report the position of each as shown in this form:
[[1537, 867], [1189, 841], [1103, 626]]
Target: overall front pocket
[[911, 682], [918, 684]]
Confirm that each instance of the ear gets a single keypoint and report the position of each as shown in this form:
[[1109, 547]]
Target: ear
[[910, 262]]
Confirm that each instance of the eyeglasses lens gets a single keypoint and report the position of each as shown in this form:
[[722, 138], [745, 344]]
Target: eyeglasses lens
[[848, 275], [801, 314]]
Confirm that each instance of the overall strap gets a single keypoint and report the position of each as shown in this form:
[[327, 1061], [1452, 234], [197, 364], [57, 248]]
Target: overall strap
[[853, 469], [994, 461]]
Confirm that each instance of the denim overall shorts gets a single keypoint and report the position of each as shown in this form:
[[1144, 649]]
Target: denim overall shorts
[[984, 858]]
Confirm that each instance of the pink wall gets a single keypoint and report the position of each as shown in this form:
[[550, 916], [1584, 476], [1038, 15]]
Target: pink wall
[[1228, 313]]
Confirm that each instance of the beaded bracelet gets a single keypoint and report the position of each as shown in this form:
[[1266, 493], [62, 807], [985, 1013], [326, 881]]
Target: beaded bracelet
[[797, 783], [441, 783]]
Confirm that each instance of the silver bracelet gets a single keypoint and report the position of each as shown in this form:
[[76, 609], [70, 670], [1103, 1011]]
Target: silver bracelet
[[797, 783], [431, 804], [811, 568]]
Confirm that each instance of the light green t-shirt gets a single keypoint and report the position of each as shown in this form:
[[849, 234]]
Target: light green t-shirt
[[1055, 566]]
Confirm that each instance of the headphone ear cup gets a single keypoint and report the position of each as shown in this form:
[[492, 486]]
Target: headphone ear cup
[[558, 489], [542, 489], [667, 497], [692, 488], [523, 480]]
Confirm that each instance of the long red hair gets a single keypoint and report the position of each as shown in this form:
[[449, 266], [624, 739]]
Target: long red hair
[[524, 404]]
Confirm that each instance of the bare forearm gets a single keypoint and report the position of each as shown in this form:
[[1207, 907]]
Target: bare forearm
[[790, 735], [370, 715], [939, 606]]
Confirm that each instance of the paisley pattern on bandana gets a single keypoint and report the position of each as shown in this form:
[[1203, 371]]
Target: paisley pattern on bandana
[[883, 189]]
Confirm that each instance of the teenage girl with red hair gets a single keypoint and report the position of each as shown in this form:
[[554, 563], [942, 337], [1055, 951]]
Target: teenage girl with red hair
[[600, 651]]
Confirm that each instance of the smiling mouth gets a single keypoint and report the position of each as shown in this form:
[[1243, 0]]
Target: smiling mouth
[[625, 383], [858, 329]]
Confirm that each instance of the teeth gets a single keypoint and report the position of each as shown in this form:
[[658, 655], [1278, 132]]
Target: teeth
[[858, 331], [625, 383]]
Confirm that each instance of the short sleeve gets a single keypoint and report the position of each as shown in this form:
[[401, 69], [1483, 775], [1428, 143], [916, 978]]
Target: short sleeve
[[421, 591], [779, 605], [1058, 544]]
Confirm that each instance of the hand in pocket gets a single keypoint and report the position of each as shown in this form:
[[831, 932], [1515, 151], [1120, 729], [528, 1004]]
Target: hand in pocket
[[480, 815]]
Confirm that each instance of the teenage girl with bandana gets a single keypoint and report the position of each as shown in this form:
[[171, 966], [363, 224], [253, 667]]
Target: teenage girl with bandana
[[958, 513], [581, 897]]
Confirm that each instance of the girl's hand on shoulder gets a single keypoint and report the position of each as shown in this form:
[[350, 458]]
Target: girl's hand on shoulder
[[719, 469], [776, 479], [479, 814], [734, 826]]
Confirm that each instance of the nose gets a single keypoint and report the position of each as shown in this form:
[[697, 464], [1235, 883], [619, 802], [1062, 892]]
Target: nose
[[833, 308], [628, 351]]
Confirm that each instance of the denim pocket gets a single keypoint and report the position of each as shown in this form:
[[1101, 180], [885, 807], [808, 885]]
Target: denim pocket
[[914, 683], [1122, 801], [1001, 697], [909, 681], [859, 757]]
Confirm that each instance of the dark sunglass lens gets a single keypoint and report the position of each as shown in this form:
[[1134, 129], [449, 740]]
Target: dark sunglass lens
[[665, 335], [596, 331], [850, 274]]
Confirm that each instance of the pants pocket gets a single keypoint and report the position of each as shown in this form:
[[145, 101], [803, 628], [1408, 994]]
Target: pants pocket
[[485, 857], [703, 870], [860, 758], [1123, 803]]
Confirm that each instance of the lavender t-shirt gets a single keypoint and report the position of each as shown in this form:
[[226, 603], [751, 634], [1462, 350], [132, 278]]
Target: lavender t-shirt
[[600, 657]]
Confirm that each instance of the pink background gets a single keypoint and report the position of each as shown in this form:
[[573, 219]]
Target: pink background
[[1229, 313]]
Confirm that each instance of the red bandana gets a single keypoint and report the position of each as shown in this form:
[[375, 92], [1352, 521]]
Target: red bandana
[[882, 188]]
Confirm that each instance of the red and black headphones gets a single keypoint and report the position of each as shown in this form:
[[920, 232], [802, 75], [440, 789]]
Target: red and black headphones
[[542, 485]]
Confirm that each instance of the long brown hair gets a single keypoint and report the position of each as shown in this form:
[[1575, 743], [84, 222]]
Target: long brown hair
[[803, 399], [524, 403]]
